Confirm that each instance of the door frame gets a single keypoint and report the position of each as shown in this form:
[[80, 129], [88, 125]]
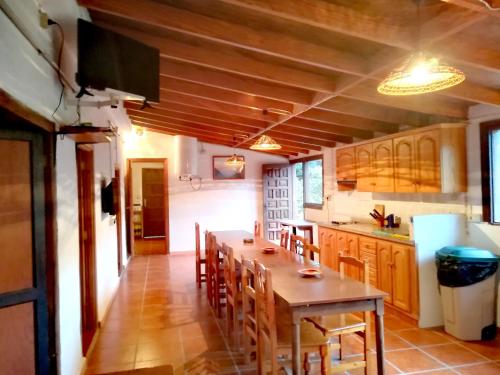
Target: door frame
[[18, 118], [87, 259], [117, 193], [129, 212]]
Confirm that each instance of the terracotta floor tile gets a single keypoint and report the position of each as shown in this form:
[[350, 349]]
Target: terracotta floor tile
[[411, 360], [420, 337], [480, 369], [113, 355], [149, 351], [435, 372], [453, 354], [490, 349], [106, 369], [391, 341], [393, 323], [194, 347]]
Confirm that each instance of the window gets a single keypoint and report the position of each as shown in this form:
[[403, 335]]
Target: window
[[490, 170], [308, 184]]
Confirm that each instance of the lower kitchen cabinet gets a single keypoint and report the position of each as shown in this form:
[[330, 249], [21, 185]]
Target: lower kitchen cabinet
[[392, 265]]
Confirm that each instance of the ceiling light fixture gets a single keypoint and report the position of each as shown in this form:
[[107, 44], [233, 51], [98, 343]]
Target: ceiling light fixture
[[420, 73], [235, 161], [265, 143]]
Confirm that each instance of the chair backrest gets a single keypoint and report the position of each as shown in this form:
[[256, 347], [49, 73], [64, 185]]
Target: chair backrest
[[197, 240], [312, 252], [284, 236], [212, 256], [249, 297], [256, 229], [230, 272], [297, 244]]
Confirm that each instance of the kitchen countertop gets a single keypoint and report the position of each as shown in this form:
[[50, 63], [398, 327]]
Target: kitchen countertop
[[368, 230]]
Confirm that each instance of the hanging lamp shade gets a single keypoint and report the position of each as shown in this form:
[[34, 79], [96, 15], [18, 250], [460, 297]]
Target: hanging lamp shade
[[420, 74], [265, 143], [235, 161]]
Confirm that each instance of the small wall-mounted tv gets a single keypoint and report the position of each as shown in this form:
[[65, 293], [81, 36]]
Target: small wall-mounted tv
[[108, 60], [108, 201]]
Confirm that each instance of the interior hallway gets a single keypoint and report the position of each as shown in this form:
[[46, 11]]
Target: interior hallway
[[159, 318]]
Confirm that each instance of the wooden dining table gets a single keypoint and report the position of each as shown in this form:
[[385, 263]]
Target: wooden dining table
[[309, 297]]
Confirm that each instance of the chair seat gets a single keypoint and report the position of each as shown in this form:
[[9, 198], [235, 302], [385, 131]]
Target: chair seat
[[309, 336], [338, 324]]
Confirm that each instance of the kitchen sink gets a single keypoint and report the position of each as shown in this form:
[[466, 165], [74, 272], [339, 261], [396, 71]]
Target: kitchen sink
[[391, 233]]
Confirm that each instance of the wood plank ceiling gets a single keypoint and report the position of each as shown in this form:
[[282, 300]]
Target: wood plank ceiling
[[313, 65]]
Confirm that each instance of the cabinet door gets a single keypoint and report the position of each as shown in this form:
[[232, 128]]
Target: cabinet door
[[364, 176], [404, 169], [332, 239], [346, 164], [382, 166], [352, 251], [401, 276], [428, 161], [384, 268], [326, 247]]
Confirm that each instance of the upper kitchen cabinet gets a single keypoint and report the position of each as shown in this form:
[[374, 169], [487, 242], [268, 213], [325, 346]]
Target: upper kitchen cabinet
[[425, 160], [346, 165]]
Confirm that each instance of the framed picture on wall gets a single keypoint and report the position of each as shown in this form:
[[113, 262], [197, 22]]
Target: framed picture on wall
[[222, 171]]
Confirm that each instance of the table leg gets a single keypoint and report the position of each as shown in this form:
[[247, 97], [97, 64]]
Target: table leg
[[379, 335], [296, 345]]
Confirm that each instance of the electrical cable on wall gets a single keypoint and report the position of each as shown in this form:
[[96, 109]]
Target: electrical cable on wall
[[59, 59]]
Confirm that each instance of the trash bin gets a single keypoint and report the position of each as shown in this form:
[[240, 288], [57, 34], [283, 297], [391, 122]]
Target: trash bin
[[467, 278]]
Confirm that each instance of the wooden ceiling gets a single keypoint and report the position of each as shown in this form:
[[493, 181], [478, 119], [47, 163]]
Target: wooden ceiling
[[313, 64]]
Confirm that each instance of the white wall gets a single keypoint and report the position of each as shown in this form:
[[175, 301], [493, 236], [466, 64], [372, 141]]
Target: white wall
[[27, 77], [218, 205]]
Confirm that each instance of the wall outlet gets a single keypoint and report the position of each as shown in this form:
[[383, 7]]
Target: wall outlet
[[44, 19]]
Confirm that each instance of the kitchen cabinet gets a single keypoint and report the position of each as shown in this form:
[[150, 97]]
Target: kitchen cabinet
[[396, 270], [382, 167], [391, 264], [346, 165], [425, 160], [364, 178]]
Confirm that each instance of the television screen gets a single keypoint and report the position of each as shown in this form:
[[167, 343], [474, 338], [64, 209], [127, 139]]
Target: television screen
[[109, 60], [108, 199]]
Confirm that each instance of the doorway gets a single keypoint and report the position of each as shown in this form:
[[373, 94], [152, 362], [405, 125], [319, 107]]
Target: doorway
[[27, 338], [147, 206], [88, 288]]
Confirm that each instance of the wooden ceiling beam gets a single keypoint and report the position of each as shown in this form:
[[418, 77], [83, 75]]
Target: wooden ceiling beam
[[351, 121], [168, 97], [185, 119], [271, 42], [474, 5], [200, 113], [223, 133], [229, 59], [341, 130], [221, 95], [313, 133], [235, 82], [372, 111]]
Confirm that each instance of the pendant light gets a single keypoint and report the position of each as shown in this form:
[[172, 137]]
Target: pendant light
[[265, 143], [235, 161], [420, 74]]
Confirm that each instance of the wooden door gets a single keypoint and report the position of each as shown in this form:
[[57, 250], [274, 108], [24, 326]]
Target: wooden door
[[404, 167], [364, 175], [24, 315], [153, 203], [346, 164], [384, 268], [88, 283], [382, 166], [428, 161], [277, 185], [401, 276]]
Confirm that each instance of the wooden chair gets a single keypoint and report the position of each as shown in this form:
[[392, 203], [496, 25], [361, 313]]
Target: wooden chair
[[310, 252], [284, 236], [341, 324], [249, 331], [297, 244], [274, 339], [233, 295], [257, 229], [200, 260], [216, 274]]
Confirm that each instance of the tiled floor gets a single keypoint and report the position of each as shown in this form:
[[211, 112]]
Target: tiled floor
[[149, 246], [159, 317]]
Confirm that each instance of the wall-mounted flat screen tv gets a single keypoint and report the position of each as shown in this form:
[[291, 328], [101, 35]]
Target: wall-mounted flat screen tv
[[108, 60]]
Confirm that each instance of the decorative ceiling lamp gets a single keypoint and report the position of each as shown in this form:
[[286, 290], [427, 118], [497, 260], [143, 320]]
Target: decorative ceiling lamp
[[235, 161], [420, 74], [265, 143]]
